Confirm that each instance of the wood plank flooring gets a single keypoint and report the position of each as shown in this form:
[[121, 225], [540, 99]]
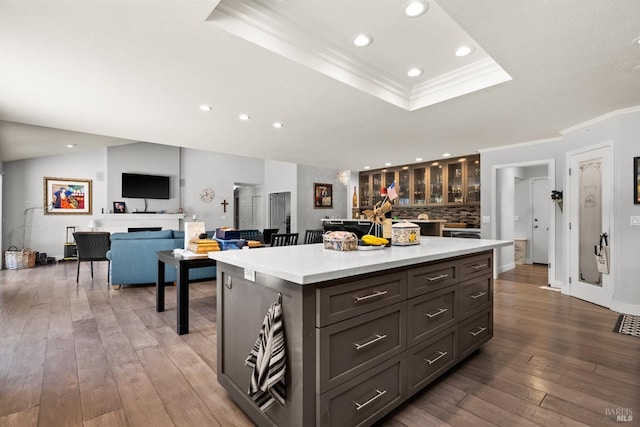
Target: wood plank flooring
[[93, 356]]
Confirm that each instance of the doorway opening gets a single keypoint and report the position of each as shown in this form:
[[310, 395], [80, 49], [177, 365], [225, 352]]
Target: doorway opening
[[523, 212], [248, 207]]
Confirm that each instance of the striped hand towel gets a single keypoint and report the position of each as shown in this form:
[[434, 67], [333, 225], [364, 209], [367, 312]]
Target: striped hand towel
[[268, 360]]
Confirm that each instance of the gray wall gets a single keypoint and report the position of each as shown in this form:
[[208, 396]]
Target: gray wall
[[623, 129], [308, 216]]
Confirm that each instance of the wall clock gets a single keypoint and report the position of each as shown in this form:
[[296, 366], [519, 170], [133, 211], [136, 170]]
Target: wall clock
[[206, 195]]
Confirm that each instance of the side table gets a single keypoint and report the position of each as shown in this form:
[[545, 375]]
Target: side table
[[183, 265]]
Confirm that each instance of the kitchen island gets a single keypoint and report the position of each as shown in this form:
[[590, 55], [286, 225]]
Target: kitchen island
[[364, 330]]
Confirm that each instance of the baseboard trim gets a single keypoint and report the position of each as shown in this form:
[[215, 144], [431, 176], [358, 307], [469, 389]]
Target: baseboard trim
[[620, 307], [506, 267]]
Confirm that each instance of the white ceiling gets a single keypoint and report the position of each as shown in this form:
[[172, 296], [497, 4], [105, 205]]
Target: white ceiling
[[123, 70]]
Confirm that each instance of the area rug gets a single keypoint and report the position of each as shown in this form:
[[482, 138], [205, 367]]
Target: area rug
[[628, 325]]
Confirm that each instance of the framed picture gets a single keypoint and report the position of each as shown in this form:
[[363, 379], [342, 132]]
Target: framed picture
[[67, 196], [636, 180], [119, 207], [322, 195]]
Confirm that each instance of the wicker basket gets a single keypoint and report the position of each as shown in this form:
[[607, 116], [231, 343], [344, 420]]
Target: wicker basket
[[15, 259]]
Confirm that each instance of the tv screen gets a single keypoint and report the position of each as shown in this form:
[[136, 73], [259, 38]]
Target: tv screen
[[140, 186]]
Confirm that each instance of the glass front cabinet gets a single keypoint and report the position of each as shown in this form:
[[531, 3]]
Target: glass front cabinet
[[443, 182]]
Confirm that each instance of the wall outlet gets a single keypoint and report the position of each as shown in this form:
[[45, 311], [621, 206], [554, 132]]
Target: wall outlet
[[635, 221], [486, 219], [516, 218]]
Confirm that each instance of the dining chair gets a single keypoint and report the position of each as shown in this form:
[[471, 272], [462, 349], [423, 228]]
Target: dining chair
[[284, 239], [313, 236], [251, 235], [92, 246]]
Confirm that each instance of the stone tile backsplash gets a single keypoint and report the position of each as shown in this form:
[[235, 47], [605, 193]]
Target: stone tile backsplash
[[470, 215]]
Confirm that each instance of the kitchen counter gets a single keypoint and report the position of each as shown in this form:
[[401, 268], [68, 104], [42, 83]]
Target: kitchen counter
[[428, 227], [364, 330]]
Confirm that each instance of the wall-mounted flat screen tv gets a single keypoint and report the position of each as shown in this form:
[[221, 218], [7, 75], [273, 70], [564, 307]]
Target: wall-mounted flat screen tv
[[140, 186]]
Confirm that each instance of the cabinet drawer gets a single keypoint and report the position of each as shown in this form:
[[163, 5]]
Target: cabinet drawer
[[476, 265], [475, 294], [432, 277], [475, 331], [426, 361], [366, 398], [340, 302], [431, 313], [349, 348]]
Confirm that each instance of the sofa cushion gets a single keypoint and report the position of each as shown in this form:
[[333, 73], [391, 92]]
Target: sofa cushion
[[162, 234]]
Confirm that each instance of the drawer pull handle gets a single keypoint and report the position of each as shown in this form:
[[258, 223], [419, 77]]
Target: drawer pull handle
[[438, 312], [478, 295], [479, 330], [376, 339], [440, 356], [438, 277], [373, 295], [362, 405], [477, 266]]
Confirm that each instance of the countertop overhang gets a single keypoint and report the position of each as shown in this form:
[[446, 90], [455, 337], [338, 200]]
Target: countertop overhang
[[307, 264]]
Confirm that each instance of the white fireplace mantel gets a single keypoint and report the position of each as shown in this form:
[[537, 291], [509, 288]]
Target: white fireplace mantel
[[117, 223]]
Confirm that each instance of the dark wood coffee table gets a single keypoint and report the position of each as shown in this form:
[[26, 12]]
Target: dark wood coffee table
[[183, 265]]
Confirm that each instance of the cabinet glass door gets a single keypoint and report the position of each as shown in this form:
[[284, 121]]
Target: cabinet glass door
[[376, 186], [365, 191], [419, 186], [404, 184], [435, 184], [473, 181], [454, 183], [389, 177]]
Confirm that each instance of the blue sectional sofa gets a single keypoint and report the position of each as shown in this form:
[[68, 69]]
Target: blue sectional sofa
[[134, 260]]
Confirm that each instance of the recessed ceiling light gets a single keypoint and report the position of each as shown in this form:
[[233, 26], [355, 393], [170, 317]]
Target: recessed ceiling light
[[387, 164], [367, 167], [636, 41], [446, 155], [418, 159], [205, 108], [72, 145], [362, 40], [415, 8], [277, 125], [414, 72], [244, 117], [464, 50]]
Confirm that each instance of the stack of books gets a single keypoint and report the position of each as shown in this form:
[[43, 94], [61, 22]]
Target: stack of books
[[202, 246]]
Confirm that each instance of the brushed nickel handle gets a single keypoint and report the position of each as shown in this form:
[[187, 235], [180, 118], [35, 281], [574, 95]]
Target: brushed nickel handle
[[373, 295], [440, 356], [376, 339], [377, 396], [477, 266], [438, 277], [438, 312], [480, 330], [478, 295]]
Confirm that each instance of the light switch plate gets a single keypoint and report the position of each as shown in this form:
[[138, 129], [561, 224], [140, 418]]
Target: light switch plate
[[486, 219], [635, 221]]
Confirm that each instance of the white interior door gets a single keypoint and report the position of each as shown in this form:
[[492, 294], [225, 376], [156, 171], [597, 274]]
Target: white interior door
[[540, 199], [277, 211], [591, 189]]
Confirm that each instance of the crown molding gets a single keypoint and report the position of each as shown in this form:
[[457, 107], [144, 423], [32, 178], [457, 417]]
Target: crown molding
[[260, 25]]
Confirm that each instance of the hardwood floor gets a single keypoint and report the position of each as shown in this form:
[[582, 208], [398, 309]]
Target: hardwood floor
[[92, 356]]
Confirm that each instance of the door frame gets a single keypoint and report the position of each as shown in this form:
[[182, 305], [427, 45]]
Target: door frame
[[551, 170], [608, 144]]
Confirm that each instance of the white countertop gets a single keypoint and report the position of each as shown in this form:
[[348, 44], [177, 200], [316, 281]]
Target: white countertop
[[305, 264], [340, 220]]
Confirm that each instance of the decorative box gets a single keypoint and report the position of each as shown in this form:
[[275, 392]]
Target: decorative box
[[227, 234], [340, 241], [405, 233]]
